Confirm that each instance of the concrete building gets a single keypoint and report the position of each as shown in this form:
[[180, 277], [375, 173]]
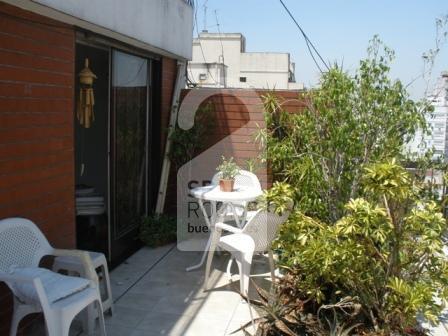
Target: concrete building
[[438, 122], [221, 60]]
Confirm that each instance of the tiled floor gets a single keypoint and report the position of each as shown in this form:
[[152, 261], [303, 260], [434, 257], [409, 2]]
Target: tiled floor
[[154, 295], [167, 300]]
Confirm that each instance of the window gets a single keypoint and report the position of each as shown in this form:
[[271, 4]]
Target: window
[[243, 79], [202, 76]]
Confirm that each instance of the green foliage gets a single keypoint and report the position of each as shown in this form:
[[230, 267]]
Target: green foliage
[[279, 198], [284, 312], [252, 165], [386, 250], [228, 168], [158, 230], [185, 145], [348, 122]]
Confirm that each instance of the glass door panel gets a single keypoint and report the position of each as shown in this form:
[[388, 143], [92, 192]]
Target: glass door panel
[[129, 109]]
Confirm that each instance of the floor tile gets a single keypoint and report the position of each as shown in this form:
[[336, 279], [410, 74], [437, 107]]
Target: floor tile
[[127, 317]]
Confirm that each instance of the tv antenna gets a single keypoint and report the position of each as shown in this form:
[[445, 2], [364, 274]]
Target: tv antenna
[[205, 15]]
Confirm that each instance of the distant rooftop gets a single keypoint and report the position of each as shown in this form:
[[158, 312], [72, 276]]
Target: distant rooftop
[[206, 34]]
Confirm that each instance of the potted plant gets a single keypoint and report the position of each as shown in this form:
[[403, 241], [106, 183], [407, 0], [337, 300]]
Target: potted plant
[[228, 170]]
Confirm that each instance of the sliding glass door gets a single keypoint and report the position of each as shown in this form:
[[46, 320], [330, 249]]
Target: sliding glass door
[[130, 102]]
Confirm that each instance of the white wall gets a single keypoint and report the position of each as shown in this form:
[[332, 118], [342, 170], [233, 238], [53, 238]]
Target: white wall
[[213, 49], [262, 70], [265, 70], [215, 74], [164, 24]]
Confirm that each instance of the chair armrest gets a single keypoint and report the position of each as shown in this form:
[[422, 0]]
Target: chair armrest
[[85, 259], [227, 227]]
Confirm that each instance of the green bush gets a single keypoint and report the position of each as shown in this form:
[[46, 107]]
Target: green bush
[[186, 144], [158, 230], [363, 228], [348, 122], [386, 251]]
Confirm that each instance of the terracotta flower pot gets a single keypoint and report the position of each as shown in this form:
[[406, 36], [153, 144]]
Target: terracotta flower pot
[[226, 185]]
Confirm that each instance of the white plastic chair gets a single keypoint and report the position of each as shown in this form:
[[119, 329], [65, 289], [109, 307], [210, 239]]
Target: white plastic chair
[[74, 267], [244, 179], [255, 237], [22, 245]]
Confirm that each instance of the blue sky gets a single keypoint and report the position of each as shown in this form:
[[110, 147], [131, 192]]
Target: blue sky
[[340, 29]]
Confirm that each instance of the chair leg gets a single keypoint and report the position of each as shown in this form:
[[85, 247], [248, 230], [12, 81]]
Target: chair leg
[[271, 265], [229, 269], [244, 262], [213, 245], [207, 267], [89, 319], [108, 289], [101, 323], [20, 311], [58, 327]]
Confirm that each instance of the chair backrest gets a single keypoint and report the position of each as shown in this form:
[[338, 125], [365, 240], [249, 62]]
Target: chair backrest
[[263, 228], [21, 244], [243, 179]]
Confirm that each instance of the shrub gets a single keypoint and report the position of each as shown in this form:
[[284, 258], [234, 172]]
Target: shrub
[[386, 251], [158, 230], [186, 144], [363, 228], [347, 123]]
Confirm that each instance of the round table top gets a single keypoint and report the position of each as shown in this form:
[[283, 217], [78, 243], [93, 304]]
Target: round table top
[[214, 193]]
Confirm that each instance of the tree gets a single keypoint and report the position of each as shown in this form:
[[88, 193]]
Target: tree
[[348, 122], [387, 251]]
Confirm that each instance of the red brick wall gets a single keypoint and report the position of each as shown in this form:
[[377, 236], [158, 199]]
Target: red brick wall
[[231, 111], [36, 127]]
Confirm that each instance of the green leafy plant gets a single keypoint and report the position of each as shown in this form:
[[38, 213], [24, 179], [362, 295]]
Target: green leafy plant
[[386, 250], [284, 312], [186, 144], [347, 123], [158, 230], [363, 226], [228, 168], [279, 197], [252, 165]]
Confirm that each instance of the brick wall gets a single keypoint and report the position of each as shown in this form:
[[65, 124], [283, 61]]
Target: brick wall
[[232, 110], [36, 128]]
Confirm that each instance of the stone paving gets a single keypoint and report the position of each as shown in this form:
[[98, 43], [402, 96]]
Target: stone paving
[[154, 295], [167, 300]]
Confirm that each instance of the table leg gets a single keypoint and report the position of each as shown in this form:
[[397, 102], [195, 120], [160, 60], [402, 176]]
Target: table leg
[[204, 255], [235, 216], [211, 224]]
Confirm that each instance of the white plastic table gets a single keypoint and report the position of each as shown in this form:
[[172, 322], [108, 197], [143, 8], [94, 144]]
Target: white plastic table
[[214, 195]]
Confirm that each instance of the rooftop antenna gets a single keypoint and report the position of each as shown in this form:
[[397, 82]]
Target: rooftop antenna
[[205, 16], [221, 57]]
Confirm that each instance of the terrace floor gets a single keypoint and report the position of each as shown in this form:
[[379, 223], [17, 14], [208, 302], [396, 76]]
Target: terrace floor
[[154, 295]]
